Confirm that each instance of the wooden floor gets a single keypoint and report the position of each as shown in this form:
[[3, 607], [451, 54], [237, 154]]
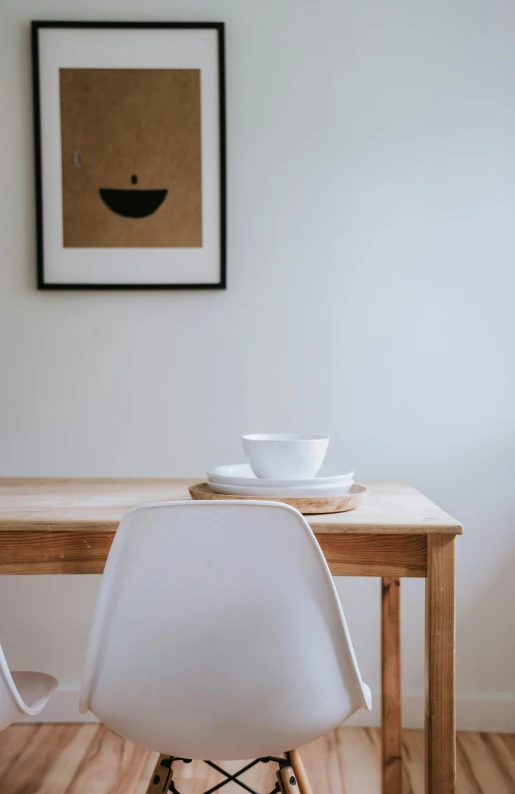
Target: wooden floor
[[89, 759]]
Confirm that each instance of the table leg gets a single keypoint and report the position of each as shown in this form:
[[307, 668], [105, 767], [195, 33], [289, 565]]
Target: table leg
[[440, 666], [391, 685]]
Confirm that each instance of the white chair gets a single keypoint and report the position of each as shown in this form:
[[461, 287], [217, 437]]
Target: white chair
[[218, 634], [22, 693]]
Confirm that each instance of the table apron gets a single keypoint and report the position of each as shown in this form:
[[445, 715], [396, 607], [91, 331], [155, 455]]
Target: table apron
[[54, 552], [375, 555], [85, 552]]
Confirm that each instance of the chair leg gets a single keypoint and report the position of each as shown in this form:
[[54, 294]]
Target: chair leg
[[162, 776], [291, 776], [300, 773], [287, 781]]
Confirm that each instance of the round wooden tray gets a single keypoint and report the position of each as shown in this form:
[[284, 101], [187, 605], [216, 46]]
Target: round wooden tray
[[305, 505]]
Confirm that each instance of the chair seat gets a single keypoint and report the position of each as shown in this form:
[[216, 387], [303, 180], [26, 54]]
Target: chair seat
[[22, 693], [35, 689]]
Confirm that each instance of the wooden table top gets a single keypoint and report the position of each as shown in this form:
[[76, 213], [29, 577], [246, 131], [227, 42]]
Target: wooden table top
[[98, 505]]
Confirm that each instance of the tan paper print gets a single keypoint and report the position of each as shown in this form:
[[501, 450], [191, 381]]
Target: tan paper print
[[131, 158]]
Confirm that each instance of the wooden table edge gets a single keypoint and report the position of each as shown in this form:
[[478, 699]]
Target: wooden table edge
[[318, 526]]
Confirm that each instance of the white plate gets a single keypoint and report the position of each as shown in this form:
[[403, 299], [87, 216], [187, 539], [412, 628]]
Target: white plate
[[283, 491], [242, 474]]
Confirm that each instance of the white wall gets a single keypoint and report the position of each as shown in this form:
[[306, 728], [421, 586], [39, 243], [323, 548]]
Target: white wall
[[371, 176]]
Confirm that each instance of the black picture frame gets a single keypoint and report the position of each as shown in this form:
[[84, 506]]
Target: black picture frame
[[42, 284]]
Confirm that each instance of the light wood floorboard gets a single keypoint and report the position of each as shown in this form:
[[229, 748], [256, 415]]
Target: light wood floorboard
[[90, 759]]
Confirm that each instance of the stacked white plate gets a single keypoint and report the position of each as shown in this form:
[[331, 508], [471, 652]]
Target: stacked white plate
[[240, 480]]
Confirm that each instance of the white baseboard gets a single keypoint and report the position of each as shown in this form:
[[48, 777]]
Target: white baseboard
[[491, 712]]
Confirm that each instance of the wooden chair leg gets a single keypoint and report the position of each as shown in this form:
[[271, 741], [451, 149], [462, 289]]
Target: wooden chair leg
[[292, 779], [300, 773], [287, 780], [160, 781]]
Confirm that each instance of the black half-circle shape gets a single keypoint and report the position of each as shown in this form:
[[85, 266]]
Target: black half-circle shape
[[132, 203]]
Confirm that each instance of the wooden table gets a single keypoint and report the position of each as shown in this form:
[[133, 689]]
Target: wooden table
[[67, 526]]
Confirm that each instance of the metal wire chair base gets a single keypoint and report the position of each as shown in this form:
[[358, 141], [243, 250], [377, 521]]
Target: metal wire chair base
[[163, 776]]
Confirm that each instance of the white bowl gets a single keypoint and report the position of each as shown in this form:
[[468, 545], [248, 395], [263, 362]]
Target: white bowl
[[242, 474], [286, 491], [285, 456]]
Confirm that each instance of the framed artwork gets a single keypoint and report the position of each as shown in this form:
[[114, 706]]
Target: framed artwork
[[130, 155]]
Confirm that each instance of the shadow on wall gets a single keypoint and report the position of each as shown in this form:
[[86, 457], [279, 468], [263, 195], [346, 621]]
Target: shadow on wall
[[486, 632], [485, 559]]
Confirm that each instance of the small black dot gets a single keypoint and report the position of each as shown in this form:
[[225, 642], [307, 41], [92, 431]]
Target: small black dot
[[156, 780], [134, 179], [292, 781]]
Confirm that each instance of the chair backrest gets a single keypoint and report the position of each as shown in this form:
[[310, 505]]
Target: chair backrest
[[219, 634]]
